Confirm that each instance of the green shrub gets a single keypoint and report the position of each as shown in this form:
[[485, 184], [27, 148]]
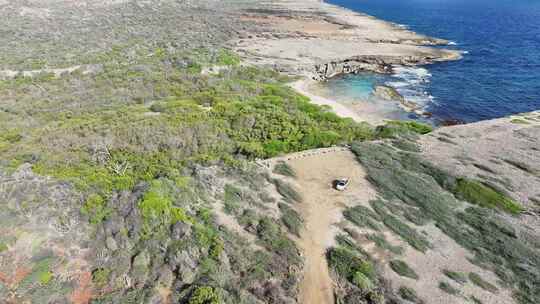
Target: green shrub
[[410, 295], [446, 287], [156, 204], [406, 145], [291, 219], [3, 247], [283, 168], [456, 276], [287, 191], [96, 209], [226, 57], [381, 242], [475, 300], [478, 281], [362, 281], [347, 264], [483, 195], [205, 295], [363, 217], [270, 234], [401, 268], [410, 235], [519, 121], [396, 129], [45, 277], [100, 276], [232, 199]]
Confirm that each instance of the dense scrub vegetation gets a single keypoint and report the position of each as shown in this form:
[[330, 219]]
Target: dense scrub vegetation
[[129, 137]]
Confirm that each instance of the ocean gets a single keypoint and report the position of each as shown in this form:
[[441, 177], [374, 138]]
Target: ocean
[[498, 76]]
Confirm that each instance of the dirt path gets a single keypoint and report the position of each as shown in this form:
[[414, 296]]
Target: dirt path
[[321, 209]]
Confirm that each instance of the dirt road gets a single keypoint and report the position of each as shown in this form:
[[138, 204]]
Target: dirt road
[[322, 208]]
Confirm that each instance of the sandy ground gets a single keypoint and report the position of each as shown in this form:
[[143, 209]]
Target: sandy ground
[[321, 209], [302, 87]]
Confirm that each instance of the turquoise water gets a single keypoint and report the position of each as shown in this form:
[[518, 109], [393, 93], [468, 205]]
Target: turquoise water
[[500, 73], [357, 86]]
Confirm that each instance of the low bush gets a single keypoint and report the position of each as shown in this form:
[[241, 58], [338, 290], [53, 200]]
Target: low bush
[[401, 268], [100, 277], [273, 239], [96, 209], [381, 242], [446, 287], [291, 219], [232, 199], [362, 281], [410, 295], [289, 193], [205, 295], [347, 264], [406, 145], [483, 195], [284, 169], [226, 57], [456, 276], [363, 217], [475, 300], [410, 235], [478, 281], [396, 129]]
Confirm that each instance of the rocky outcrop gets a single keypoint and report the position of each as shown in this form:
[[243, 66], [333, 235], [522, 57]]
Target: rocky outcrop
[[387, 93], [391, 94], [378, 64]]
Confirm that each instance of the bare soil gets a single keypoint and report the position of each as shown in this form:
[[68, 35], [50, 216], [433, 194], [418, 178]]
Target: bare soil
[[321, 209]]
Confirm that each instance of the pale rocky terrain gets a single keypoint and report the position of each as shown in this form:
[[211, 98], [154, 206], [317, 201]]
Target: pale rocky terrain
[[319, 40]]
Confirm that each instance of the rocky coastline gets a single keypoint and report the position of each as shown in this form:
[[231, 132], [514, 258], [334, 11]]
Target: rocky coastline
[[317, 41], [320, 41]]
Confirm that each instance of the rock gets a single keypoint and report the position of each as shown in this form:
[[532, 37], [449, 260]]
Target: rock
[[186, 263], [166, 276], [111, 244], [180, 230], [140, 266], [387, 93], [451, 122], [156, 298], [187, 275], [113, 225]]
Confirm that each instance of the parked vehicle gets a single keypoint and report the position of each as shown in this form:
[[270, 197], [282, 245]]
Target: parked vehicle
[[341, 184]]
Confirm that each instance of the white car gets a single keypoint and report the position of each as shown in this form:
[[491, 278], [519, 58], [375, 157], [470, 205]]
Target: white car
[[341, 183]]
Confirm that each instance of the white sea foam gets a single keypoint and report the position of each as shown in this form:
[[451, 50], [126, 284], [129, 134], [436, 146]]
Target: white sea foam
[[452, 43], [411, 83]]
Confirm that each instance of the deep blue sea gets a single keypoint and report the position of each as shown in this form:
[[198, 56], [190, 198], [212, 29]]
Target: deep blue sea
[[499, 74]]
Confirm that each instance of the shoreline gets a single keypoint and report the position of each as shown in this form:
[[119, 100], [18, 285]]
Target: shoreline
[[359, 113], [317, 41]]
